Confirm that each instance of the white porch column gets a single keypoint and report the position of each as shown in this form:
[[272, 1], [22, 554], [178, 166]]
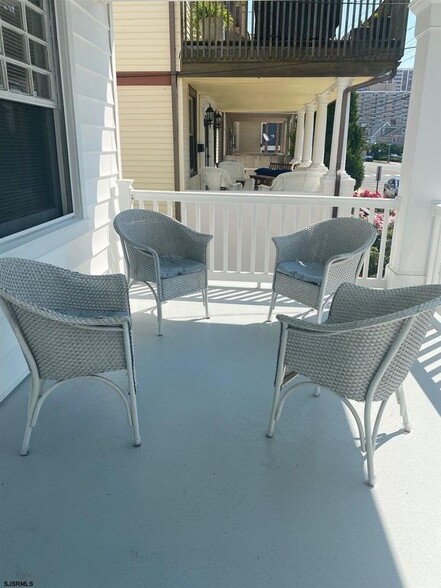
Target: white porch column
[[308, 135], [318, 151], [420, 186], [329, 179], [300, 132]]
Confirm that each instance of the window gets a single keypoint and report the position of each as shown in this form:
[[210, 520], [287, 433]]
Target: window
[[192, 131], [271, 137], [34, 186]]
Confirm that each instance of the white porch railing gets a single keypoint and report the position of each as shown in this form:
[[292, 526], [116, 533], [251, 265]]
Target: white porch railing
[[244, 222]]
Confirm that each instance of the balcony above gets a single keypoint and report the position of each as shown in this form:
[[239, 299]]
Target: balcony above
[[282, 38]]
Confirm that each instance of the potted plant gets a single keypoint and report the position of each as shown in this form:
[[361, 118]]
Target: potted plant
[[210, 19]]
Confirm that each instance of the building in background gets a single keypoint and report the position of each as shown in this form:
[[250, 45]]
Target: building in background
[[202, 81], [383, 109]]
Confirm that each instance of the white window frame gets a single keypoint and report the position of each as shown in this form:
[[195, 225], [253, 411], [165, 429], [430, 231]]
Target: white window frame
[[62, 77]]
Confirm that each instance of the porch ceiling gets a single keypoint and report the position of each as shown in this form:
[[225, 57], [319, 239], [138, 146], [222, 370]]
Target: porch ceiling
[[264, 94]]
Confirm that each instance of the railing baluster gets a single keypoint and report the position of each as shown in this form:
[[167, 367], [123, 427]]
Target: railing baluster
[[241, 251], [266, 254], [184, 213], [253, 239], [239, 235], [198, 218], [225, 238], [383, 242], [211, 220]]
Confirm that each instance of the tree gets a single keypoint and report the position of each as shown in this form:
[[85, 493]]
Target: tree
[[355, 146]]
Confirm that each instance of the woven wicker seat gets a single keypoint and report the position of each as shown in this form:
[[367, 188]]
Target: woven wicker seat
[[149, 239], [214, 178], [362, 352], [337, 244], [69, 325]]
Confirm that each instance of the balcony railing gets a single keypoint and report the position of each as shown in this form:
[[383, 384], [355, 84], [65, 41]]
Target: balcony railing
[[319, 30], [244, 222]]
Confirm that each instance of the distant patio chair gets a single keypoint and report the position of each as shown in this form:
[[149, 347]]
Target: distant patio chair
[[214, 178], [310, 265], [362, 352], [160, 250], [294, 181], [237, 173], [69, 326]]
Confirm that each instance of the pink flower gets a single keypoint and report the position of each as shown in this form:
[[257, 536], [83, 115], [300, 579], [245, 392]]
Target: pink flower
[[378, 221], [366, 194]]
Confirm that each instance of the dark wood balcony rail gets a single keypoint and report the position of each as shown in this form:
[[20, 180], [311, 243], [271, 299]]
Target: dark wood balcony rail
[[245, 30]]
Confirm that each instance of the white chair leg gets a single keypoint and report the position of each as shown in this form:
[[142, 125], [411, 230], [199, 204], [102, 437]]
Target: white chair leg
[[317, 390], [369, 445], [271, 308], [159, 311], [275, 406], [278, 384], [403, 409], [320, 313], [205, 299], [134, 411], [32, 403], [132, 388]]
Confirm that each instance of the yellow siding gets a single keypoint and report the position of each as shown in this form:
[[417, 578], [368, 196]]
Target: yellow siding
[[145, 118], [141, 35]]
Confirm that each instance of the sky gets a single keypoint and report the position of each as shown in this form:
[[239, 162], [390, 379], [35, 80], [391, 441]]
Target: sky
[[409, 53]]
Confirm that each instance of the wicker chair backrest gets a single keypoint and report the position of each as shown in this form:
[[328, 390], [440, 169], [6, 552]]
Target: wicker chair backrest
[[147, 228], [336, 236], [357, 354], [34, 294]]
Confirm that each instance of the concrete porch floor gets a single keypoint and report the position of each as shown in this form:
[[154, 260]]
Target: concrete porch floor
[[208, 501]]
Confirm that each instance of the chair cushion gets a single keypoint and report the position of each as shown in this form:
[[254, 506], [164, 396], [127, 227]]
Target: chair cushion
[[171, 266], [307, 271], [267, 171]]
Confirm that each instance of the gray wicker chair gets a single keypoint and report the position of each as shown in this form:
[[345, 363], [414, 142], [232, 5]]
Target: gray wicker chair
[[362, 352], [162, 251], [329, 253], [69, 326]]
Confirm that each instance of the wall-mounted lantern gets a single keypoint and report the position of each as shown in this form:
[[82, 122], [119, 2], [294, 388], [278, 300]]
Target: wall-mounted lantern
[[208, 122]]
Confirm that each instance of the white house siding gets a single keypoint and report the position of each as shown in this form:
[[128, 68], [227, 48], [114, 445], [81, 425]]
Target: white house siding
[[88, 244], [142, 36], [145, 120]]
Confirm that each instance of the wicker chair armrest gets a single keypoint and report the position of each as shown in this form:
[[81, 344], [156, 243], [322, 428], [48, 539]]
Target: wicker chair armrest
[[193, 244], [331, 328], [76, 316], [288, 246], [353, 303], [200, 238]]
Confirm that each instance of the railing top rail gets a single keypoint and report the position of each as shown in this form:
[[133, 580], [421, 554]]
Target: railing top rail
[[252, 197]]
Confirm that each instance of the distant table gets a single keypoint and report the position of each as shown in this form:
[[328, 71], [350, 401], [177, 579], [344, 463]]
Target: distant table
[[260, 179]]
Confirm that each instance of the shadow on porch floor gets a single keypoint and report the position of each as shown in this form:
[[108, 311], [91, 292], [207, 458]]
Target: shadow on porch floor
[[208, 501]]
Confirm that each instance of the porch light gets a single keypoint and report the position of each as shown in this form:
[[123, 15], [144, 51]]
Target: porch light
[[209, 117], [217, 120]]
